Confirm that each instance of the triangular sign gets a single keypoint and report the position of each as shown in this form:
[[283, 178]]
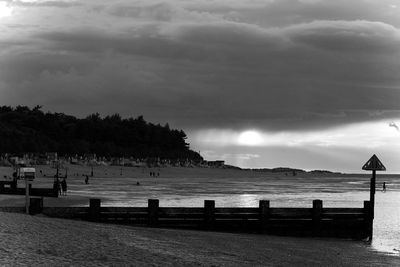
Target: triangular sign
[[374, 164]]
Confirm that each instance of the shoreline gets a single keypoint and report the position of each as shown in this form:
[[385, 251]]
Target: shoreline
[[191, 184]]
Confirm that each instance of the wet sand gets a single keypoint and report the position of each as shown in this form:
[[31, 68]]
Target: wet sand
[[40, 241]]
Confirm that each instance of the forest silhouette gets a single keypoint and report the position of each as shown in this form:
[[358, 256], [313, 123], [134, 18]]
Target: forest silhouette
[[23, 130]]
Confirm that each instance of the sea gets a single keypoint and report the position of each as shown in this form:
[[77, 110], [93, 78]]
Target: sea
[[282, 191]]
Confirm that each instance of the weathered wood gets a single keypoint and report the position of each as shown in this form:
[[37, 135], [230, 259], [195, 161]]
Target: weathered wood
[[368, 219], [124, 215], [180, 210], [342, 215], [126, 221], [237, 210], [239, 216], [124, 209], [66, 212], [209, 214], [45, 192], [290, 213], [264, 214], [35, 205], [317, 216], [197, 222], [316, 221], [153, 212], [343, 210], [12, 209], [94, 209], [182, 215]]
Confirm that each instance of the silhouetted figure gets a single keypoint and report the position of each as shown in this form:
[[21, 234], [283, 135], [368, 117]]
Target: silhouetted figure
[[64, 187], [86, 179], [384, 187], [137, 183], [56, 186]]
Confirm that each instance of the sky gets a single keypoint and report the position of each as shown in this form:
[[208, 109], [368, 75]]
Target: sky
[[311, 84]]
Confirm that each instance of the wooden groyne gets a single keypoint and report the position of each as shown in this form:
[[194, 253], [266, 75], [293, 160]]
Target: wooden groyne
[[317, 221], [10, 188]]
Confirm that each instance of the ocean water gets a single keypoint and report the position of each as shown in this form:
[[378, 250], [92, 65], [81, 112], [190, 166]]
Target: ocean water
[[246, 192]]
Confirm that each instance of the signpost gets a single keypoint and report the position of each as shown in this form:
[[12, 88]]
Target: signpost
[[28, 174], [373, 164]]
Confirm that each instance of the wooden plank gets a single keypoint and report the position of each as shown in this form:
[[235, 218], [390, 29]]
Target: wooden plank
[[180, 221], [66, 212], [242, 216], [343, 216], [180, 210], [123, 215], [181, 215], [209, 214], [237, 210], [290, 213], [126, 221], [124, 209], [13, 209], [343, 210], [153, 205]]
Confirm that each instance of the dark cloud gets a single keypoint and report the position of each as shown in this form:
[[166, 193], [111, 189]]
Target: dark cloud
[[59, 4], [348, 36], [195, 68]]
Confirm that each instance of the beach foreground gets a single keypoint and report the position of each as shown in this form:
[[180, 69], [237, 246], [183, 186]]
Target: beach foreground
[[41, 241]]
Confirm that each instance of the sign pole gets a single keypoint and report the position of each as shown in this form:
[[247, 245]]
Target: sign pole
[[27, 195], [372, 203], [373, 164], [372, 191]]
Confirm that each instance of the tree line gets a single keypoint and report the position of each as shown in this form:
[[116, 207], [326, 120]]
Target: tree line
[[23, 129]]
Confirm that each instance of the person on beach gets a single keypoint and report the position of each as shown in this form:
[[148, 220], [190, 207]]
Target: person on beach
[[384, 187], [64, 186], [86, 179], [56, 186]]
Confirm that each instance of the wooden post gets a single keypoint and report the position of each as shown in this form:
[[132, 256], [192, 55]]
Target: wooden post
[[153, 205], [209, 214], [316, 217], [264, 214], [368, 219], [94, 209], [36, 205], [26, 195], [372, 192]]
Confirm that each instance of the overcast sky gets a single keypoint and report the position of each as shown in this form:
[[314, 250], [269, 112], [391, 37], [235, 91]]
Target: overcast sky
[[300, 83]]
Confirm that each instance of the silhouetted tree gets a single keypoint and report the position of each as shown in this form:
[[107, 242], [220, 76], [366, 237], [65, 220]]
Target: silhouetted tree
[[25, 130]]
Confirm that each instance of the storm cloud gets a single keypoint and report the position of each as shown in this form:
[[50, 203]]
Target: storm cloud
[[271, 65]]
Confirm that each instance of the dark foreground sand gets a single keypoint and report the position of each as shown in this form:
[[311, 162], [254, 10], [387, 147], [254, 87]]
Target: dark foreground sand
[[40, 241]]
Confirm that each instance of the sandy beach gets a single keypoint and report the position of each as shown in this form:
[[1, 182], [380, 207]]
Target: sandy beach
[[40, 241]]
